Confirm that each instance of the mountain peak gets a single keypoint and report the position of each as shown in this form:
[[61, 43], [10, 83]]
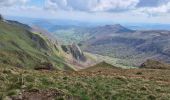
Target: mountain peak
[[115, 28]]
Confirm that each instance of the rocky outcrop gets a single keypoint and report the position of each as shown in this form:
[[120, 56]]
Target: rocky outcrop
[[75, 51], [153, 64], [44, 66]]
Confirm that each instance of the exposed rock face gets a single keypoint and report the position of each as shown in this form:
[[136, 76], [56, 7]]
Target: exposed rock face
[[75, 51], [152, 64]]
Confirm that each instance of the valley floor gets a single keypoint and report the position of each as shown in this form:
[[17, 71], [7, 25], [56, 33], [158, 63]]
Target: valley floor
[[97, 84]]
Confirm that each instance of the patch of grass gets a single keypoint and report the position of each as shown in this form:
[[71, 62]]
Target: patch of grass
[[87, 85]]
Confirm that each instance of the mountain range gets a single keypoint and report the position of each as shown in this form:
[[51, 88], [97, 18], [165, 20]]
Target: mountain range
[[132, 47]]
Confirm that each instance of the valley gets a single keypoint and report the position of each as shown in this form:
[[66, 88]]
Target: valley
[[132, 47]]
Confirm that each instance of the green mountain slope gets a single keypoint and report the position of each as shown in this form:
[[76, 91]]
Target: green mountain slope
[[21, 48]]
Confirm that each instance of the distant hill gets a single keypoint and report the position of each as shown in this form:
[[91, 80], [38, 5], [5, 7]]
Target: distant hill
[[67, 34], [109, 30], [132, 47]]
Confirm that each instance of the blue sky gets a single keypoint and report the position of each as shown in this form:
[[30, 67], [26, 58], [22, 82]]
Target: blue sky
[[150, 11], [39, 3]]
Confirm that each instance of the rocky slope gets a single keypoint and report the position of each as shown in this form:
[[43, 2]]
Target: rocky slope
[[75, 51]]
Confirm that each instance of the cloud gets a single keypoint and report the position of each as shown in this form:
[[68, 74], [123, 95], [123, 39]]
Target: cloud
[[157, 10], [9, 3], [153, 7], [110, 6], [99, 10], [92, 5], [113, 5], [151, 3], [150, 7]]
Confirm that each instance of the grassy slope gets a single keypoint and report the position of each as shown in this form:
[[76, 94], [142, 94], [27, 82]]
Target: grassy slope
[[113, 61], [100, 66], [21, 48], [109, 83]]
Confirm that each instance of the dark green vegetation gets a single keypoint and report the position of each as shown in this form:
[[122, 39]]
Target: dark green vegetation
[[21, 48], [131, 47], [101, 84]]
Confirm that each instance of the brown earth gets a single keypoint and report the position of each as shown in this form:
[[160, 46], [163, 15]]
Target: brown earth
[[50, 94]]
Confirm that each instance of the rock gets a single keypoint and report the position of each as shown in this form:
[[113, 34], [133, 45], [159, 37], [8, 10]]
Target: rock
[[75, 51]]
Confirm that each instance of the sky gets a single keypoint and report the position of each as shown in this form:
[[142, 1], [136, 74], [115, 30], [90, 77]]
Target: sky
[[127, 11]]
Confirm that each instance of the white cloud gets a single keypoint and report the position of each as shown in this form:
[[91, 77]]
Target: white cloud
[[162, 9], [55, 4], [92, 5], [91, 10], [8, 3], [150, 7], [114, 5]]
